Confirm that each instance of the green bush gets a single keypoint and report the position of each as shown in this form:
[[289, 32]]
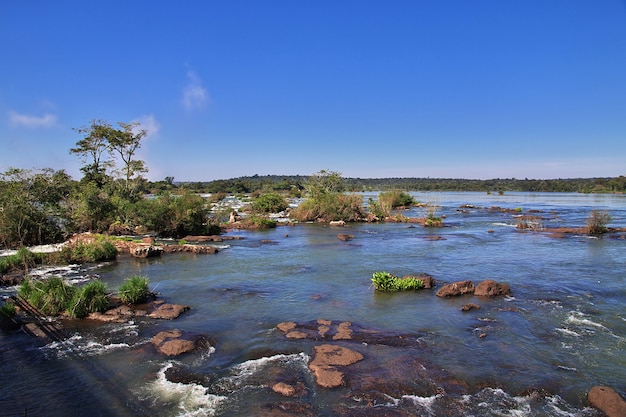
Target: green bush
[[7, 310], [269, 203], [50, 296], [90, 298], [23, 259], [597, 221], [134, 290], [101, 249], [384, 281]]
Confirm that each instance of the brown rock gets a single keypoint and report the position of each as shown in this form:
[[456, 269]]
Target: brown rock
[[608, 401], [491, 288], [284, 389], [148, 240], [296, 335], [177, 347], [286, 326], [456, 289], [161, 337], [168, 311], [344, 332], [470, 306], [325, 361], [145, 251], [345, 237]]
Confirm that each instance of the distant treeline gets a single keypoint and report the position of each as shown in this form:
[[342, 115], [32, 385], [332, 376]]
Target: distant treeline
[[293, 183]]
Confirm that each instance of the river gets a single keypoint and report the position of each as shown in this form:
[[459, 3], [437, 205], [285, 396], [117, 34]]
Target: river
[[536, 353]]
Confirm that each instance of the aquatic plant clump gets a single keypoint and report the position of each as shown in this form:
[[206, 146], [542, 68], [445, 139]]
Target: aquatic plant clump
[[134, 290], [90, 298], [386, 282]]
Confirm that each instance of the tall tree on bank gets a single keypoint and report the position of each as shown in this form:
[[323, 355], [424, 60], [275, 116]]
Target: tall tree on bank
[[93, 150], [124, 143]]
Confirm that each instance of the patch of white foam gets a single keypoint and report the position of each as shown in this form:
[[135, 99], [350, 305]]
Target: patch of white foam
[[568, 332], [243, 372], [77, 345], [190, 399], [503, 224], [424, 403]]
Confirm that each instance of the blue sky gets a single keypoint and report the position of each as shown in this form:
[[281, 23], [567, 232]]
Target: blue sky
[[456, 89]]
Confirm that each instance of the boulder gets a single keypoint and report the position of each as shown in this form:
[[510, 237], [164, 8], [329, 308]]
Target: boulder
[[345, 237], [338, 223], [325, 362], [168, 311], [608, 401], [470, 306], [456, 288], [171, 343], [491, 288]]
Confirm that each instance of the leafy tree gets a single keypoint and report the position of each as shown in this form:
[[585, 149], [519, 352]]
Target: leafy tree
[[125, 143], [93, 150], [269, 203], [33, 206]]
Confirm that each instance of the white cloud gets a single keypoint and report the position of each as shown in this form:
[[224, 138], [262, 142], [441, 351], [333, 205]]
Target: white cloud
[[150, 124], [26, 120], [194, 93]]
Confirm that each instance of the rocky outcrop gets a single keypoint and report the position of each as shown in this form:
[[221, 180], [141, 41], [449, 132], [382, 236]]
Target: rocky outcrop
[[491, 288], [337, 223], [171, 343], [456, 288], [608, 401], [325, 361], [190, 249], [145, 250], [345, 237], [168, 311]]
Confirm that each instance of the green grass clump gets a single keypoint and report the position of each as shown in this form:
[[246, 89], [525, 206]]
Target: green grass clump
[[134, 290], [97, 251], [50, 296], [90, 298], [384, 281], [7, 310], [23, 259]]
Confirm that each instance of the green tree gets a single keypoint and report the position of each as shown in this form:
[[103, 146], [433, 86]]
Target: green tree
[[93, 150], [33, 206], [125, 143]]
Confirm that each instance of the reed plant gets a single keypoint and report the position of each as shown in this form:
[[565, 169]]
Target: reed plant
[[134, 290]]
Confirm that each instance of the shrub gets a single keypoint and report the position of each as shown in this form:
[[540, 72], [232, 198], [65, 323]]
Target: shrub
[[269, 203], [24, 259], [50, 296], [92, 297], [7, 310], [597, 221], [329, 207], [101, 249], [384, 281], [134, 290]]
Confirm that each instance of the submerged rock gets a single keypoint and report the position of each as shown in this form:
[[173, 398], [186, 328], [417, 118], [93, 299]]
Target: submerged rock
[[456, 288], [345, 237], [172, 342], [326, 360]]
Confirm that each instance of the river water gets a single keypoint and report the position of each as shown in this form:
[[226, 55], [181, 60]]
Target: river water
[[562, 332]]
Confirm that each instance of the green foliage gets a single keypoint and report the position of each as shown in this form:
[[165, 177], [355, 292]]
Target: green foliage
[[99, 250], [597, 221], [90, 298], [23, 259], [134, 290], [387, 201], [50, 296], [7, 310], [258, 222], [327, 202], [386, 282], [33, 206], [269, 203]]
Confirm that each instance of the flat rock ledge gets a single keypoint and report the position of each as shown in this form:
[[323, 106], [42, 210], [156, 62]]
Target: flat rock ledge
[[326, 360], [168, 311], [607, 400]]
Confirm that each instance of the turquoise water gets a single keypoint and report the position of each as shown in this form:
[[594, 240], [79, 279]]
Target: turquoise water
[[562, 332]]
